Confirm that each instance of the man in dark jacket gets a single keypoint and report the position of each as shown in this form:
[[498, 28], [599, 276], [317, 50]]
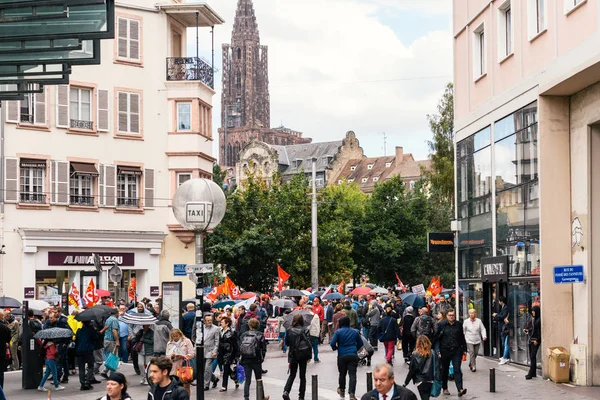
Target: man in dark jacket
[[453, 346], [85, 344], [189, 317], [383, 375], [347, 342], [327, 327], [534, 341], [4, 340], [247, 317], [502, 321], [164, 387], [297, 360]]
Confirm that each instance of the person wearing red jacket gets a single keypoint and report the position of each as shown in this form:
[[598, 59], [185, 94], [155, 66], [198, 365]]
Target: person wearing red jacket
[[320, 311]]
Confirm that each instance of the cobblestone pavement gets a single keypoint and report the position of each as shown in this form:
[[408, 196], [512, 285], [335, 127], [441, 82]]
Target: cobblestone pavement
[[510, 382]]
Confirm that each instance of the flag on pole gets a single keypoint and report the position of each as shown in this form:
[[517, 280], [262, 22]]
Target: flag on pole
[[282, 277], [91, 297], [74, 297], [340, 287], [326, 292], [402, 287], [232, 290], [216, 292], [435, 287], [132, 289]]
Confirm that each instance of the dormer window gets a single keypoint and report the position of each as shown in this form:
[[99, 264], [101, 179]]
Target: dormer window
[[353, 168], [350, 180], [364, 180], [375, 178], [388, 164], [340, 182], [370, 166]]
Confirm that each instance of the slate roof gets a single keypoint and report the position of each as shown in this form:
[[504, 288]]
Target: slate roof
[[295, 158]]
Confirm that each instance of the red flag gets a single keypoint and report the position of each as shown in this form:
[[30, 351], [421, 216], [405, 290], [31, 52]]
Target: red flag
[[341, 287], [326, 292], [216, 292], [282, 277], [91, 297], [132, 288], [216, 282], [74, 297], [231, 290], [435, 287], [402, 287]]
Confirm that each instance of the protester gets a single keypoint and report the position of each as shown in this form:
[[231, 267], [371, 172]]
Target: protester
[[442, 305], [123, 335], [116, 387], [253, 348], [4, 341], [62, 362], [111, 339], [534, 341], [388, 333], [421, 367], [228, 351], [351, 314], [15, 327], [374, 316], [180, 350], [474, 333], [408, 340], [385, 387], [315, 330], [423, 325], [241, 313], [162, 330], [281, 329], [452, 344], [187, 326], [146, 337], [298, 341], [51, 353], [502, 320], [211, 350], [134, 338], [337, 316], [327, 328], [164, 386], [247, 317], [346, 341], [85, 342]]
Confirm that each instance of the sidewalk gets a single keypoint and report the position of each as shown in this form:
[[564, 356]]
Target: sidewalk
[[510, 382]]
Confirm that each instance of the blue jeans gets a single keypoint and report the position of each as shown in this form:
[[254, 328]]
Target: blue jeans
[[282, 340], [50, 367], [505, 341], [215, 364], [123, 352], [315, 345]]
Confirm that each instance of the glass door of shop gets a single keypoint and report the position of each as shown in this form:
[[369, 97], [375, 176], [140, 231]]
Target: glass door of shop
[[491, 293]]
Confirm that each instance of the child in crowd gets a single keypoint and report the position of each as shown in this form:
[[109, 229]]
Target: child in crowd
[[51, 351]]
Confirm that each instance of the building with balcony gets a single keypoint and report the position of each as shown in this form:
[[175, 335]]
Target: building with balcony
[[527, 122], [90, 167]]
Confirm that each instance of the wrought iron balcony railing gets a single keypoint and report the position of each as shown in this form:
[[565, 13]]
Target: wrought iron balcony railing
[[79, 124], [33, 198], [122, 202], [27, 118], [190, 69], [82, 200]]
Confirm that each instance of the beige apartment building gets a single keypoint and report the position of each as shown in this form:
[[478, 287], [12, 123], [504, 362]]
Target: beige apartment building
[[91, 167], [527, 115]]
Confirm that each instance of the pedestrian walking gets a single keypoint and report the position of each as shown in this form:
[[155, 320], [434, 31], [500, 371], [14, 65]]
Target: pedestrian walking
[[228, 351], [535, 341], [162, 331], [146, 337], [423, 325], [336, 317], [134, 338], [116, 387], [319, 310], [315, 330], [164, 386], [421, 367], [452, 345], [408, 340], [347, 342], [328, 320], [111, 339], [502, 319], [374, 317], [351, 314], [123, 336], [4, 342], [300, 352], [388, 333], [253, 348], [51, 354], [15, 327], [180, 350], [85, 342], [187, 326], [211, 351], [281, 329], [385, 386], [474, 333]]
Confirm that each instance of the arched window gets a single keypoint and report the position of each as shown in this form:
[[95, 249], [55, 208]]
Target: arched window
[[238, 80], [239, 53], [229, 155]]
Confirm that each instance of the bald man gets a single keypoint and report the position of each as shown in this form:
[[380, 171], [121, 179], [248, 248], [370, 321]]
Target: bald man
[[188, 320]]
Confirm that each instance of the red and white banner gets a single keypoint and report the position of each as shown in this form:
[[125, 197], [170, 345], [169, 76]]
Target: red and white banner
[[91, 297], [74, 297]]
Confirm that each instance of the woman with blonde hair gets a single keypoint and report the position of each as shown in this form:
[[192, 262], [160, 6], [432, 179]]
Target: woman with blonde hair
[[421, 367], [179, 350]]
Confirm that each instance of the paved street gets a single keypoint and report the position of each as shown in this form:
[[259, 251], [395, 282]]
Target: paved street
[[510, 383]]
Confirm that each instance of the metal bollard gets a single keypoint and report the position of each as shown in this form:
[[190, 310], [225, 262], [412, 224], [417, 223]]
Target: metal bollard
[[492, 380], [315, 387], [369, 381], [260, 390]]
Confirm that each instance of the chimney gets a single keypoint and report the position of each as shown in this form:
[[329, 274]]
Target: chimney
[[399, 155]]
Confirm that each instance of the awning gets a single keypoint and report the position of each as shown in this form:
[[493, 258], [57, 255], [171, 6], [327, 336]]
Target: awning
[[84, 169], [32, 163], [128, 170]]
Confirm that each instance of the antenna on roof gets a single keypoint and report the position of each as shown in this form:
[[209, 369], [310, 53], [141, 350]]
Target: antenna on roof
[[384, 144]]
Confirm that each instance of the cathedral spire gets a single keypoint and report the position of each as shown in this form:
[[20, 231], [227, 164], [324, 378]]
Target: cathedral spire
[[245, 26]]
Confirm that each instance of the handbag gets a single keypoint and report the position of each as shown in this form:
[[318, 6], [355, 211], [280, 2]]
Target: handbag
[[241, 375], [185, 373], [138, 347], [381, 336], [112, 361], [436, 386]]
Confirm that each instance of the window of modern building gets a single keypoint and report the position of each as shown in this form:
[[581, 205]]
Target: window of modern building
[[128, 182], [129, 39], [80, 108], [505, 29], [183, 177], [82, 182], [129, 120], [536, 17], [479, 52], [32, 177], [184, 117]]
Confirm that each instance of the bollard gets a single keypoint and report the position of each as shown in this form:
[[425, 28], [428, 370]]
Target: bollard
[[369, 381], [260, 390], [315, 387], [492, 380]]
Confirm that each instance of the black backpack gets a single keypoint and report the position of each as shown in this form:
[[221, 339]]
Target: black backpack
[[302, 347], [425, 326], [249, 346]]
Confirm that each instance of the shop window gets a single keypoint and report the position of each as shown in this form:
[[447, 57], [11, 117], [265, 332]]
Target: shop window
[[32, 176], [522, 296], [469, 261], [83, 178], [128, 181], [184, 117], [183, 177], [80, 108]]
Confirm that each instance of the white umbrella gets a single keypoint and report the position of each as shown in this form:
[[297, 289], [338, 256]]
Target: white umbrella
[[306, 292], [138, 319], [38, 304]]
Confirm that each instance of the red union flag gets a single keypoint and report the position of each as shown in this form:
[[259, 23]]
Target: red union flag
[[91, 297], [282, 277], [74, 297], [400, 284], [232, 290], [340, 287], [216, 292]]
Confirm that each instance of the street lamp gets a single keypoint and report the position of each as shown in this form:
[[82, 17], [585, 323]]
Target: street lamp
[[199, 206]]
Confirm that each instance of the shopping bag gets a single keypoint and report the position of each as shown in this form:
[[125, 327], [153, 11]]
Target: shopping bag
[[112, 362], [241, 375], [185, 373], [436, 386], [399, 345]]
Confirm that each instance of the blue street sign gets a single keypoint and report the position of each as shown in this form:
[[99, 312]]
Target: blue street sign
[[179, 269], [569, 274]]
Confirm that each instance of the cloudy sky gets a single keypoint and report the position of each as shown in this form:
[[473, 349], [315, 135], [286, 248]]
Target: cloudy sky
[[371, 66]]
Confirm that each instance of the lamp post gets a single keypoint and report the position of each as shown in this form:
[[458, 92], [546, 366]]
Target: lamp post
[[199, 206]]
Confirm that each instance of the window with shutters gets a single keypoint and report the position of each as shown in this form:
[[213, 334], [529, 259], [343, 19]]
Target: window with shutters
[[32, 109], [80, 108], [32, 175], [129, 39], [129, 112], [81, 184], [128, 181]]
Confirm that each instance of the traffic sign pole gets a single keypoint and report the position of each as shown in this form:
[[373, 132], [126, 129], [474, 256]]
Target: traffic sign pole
[[200, 296]]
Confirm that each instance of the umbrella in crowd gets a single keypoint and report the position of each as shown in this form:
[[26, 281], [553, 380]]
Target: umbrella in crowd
[[138, 319], [38, 304], [319, 292], [291, 293], [54, 333], [19, 311], [103, 293], [412, 299], [379, 290], [94, 313], [224, 303], [283, 303], [306, 293], [371, 285], [247, 295], [9, 302], [334, 296], [306, 316], [361, 290]]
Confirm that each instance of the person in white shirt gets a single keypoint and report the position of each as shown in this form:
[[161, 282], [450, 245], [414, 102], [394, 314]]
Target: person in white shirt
[[315, 331], [474, 333]]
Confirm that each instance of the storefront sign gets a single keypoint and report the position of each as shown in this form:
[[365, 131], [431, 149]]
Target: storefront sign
[[494, 269], [440, 242], [29, 293], [82, 259], [171, 301], [154, 291], [569, 274], [179, 270]]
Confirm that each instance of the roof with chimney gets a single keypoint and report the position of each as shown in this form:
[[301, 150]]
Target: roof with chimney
[[297, 157]]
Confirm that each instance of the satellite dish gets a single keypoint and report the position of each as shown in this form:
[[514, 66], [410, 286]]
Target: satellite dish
[[115, 274]]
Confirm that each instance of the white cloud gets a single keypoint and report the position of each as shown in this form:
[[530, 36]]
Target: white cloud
[[334, 67]]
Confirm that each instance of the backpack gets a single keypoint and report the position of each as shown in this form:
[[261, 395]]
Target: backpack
[[249, 346], [362, 310], [424, 326], [302, 347]]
